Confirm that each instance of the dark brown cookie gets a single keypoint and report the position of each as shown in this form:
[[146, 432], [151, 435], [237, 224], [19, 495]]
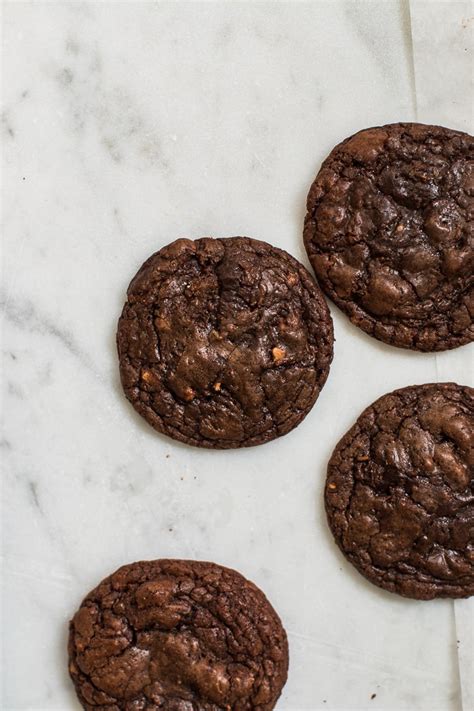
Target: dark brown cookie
[[400, 492], [224, 342], [389, 232], [177, 635]]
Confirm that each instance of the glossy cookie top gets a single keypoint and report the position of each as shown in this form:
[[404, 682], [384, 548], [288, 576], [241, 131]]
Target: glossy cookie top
[[400, 492], [177, 635], [224, 342], [389, 233]]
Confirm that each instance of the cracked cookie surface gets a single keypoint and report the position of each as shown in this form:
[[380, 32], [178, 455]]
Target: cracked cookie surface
[[224, 342], [400, 492], [389, 233], [179, 636]]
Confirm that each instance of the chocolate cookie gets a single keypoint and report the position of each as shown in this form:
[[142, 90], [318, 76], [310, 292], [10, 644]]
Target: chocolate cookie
[[400, 492], [177, 635], [224, 342], [389, 232]]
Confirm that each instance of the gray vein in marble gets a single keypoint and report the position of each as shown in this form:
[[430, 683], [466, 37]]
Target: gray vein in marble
[[25, 317], [121, 128], [7, 126], [131, 479], [8, 122], [33, 487], [57, 539]]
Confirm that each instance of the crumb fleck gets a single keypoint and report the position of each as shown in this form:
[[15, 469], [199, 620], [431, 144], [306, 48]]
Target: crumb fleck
[[188, 394], [278, 354], [332, 486], [373, 696]]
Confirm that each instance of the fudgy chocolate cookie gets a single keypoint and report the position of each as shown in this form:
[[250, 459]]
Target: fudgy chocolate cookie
[[224, 342], [400, 492], [389, 232], [177, 635]]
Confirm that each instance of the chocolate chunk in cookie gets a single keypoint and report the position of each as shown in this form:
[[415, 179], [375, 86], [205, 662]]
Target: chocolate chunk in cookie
[[400, 492], [389, 232], [177, 635], [224, 342]]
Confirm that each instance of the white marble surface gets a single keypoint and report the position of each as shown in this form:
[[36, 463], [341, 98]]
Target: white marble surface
[[126, 126]]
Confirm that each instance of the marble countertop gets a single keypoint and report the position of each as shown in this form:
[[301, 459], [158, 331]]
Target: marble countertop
[[125, 126]]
